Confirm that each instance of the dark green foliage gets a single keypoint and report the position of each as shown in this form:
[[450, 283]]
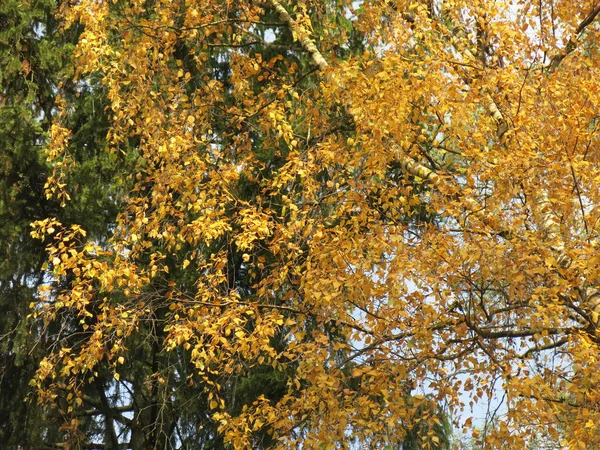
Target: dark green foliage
[[24, 88], [34, 59]]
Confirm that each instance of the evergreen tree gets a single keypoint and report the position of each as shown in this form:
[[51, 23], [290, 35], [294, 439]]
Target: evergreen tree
[[35, 67]]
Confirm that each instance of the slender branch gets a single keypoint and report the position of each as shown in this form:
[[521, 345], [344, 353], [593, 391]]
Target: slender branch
[[572, 44], [587, 231], [537, 348]]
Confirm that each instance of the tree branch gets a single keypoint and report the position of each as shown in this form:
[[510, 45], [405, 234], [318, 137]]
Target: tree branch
[[572, 44], [300, 33]]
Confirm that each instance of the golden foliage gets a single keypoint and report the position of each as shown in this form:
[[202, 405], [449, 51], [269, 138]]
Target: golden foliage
[[419, 217]]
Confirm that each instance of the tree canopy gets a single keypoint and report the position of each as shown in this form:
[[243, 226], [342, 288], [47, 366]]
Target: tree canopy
[[337, 223]]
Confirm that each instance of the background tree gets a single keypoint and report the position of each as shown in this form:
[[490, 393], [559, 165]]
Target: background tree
[[34, 68]]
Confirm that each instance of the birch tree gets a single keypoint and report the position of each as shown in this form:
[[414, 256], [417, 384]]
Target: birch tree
[[388, 204]]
